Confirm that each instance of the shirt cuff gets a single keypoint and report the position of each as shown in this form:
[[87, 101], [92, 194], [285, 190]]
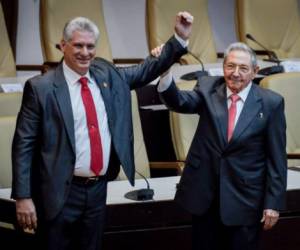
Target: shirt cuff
[[184, 43], [165, 82]]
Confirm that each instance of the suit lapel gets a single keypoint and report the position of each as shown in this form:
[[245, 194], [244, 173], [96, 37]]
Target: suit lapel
[[251, 107], [62, 95], [219, 101], [105, 88]]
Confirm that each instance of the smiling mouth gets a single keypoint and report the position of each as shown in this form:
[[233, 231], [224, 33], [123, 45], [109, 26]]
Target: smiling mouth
[[235, 80], [83, 61]]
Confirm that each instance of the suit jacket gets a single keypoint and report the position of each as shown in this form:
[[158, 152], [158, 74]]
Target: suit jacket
[[247, 174], [43, 153]]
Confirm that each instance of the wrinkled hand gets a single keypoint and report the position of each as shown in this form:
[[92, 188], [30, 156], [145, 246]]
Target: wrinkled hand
[[157, 51], [270, 218], [26, 214], [183, 24]]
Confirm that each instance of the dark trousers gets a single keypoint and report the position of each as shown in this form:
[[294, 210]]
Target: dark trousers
[[80, 224], [209, 233]]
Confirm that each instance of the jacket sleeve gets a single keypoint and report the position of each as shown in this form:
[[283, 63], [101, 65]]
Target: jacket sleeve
[[276, 160], [181, 101], [152, 67], [24, 143]]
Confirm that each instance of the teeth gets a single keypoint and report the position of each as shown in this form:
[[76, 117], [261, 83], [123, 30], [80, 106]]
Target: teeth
[[189, 19]]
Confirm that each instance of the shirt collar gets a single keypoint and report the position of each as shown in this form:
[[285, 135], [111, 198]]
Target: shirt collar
[[242, 94], [73, 77]]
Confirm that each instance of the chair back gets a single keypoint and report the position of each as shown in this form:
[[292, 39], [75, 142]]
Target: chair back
[[7, 61], [10, 103], [288, 85], [183, 127], [274, 23], [53, 16], [7, 128], [140, 155], [160, 26]]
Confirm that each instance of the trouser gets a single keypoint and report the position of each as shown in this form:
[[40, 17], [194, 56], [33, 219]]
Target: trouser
[[80, 224], [209, 233]]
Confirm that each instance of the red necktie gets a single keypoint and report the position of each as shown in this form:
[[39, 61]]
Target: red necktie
[[231, 115], [92, 124]]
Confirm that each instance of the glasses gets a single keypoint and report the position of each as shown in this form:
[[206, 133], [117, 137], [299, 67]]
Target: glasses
[[243, 69]]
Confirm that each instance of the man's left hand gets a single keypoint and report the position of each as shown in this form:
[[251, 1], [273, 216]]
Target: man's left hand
[[156, 52], [270, 218], [183, 24]]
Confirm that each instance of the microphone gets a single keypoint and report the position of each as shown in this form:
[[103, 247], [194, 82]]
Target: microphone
[[196, 74], [143, 194], [272, 58], [271, 54]]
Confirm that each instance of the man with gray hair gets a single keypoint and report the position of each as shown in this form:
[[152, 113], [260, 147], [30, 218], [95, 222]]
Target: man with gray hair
[[234, 180], [73, 131]]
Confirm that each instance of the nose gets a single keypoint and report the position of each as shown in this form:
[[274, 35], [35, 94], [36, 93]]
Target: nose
[[84, 50], [236, 71]]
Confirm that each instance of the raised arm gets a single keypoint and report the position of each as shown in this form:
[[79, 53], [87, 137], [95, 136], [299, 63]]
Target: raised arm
[[152, 67]]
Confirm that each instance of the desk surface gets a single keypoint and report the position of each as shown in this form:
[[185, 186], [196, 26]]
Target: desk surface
[[19, 79], [164, 188]]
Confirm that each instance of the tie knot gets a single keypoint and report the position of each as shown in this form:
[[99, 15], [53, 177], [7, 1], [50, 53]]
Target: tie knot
[[83, 81], [234, 98]]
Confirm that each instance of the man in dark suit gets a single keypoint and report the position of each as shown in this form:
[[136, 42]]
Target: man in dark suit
[[235, 174], [73, 131]]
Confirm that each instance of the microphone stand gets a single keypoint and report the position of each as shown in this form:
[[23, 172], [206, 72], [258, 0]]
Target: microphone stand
[[196, 74], [271, 54], [272, 58], [143, 194]]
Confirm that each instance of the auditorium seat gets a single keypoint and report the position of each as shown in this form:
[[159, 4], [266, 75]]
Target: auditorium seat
[[7, 128], [183, 127], [142, 163], [288, 85], [274, 23], [160, 18], [7, 61], [10, 103], [140, 154], [53, 16]]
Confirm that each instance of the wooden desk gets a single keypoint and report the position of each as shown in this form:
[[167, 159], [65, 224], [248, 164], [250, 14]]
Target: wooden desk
[[130, 225], [160, 224], [163, 225]]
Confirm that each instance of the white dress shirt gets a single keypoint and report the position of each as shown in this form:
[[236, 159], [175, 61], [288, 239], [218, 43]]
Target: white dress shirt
[[240, 103], [82, 141]]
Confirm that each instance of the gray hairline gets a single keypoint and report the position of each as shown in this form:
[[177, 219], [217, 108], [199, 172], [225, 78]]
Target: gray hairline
[[241, 47], [80, 24]]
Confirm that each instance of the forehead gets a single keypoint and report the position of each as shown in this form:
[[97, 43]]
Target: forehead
[[238, 57], [83, 36]]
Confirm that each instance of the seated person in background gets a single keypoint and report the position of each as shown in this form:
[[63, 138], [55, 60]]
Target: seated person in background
[[73, 131], [234, 180]]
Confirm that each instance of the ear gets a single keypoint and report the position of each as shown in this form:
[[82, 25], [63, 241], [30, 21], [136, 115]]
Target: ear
[[255, 70], [62, 45]]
